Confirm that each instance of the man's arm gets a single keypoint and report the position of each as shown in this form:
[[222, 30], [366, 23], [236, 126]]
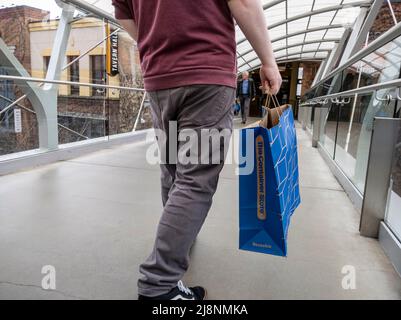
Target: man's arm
[[125, 16], [250, 18], [130, 27]]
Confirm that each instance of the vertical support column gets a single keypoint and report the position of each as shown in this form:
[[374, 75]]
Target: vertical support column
[[330, 60], [384, 138], [49, 140], [356, 29], [367, 26], [316, 126], [320, 71]]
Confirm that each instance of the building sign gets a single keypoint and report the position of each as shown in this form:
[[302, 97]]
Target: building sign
[[299, 89], [17, 121], [299, 82], [300, 73], [112, 53]]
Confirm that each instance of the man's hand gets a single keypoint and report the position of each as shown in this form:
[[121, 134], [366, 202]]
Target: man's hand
[[271, 78], [251, 19]]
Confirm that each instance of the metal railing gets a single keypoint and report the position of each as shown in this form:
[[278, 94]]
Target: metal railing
[[91, 9], [17, 103], [355, 128], [61, 82], [335, 97]]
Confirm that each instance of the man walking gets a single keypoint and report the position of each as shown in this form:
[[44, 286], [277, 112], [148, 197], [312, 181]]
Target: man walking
[[246, 91], [188, 59]]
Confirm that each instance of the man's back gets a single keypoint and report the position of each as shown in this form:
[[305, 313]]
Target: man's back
[[183, 42]]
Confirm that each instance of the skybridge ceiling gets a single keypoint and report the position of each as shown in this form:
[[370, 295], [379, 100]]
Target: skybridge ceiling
[[301, 29]]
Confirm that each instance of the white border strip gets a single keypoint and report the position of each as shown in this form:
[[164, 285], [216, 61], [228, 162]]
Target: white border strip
[[391, 246], [34, 158]]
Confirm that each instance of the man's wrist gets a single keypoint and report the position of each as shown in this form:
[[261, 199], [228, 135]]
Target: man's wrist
[[269, 61]]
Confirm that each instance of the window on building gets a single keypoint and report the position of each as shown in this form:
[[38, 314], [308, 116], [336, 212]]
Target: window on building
[[7, 96], [46, 62], [73, 75], [98, 73]]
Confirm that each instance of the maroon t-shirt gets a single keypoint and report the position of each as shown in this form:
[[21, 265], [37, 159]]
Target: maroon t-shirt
[[183, 42]]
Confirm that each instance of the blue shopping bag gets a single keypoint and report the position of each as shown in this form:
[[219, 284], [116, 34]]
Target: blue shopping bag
[[269, 194]]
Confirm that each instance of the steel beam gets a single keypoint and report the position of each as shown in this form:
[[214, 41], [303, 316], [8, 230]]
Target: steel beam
[[356, 28], [68, 83], [57, 60], [336, 54], [367, 26], [85, 6], [319, 72]]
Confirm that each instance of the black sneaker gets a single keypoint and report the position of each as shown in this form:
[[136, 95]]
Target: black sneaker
[[180, 292]]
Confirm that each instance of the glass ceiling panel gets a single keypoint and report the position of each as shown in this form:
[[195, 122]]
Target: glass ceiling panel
[[301, 30]]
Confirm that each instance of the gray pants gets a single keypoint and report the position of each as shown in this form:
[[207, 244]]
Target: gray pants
[[245, 104], [187, 190]]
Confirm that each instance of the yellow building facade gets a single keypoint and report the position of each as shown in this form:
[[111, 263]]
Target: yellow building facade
[[85, 33]]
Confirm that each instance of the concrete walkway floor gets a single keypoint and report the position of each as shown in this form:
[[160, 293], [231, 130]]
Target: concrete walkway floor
[[94, 219]]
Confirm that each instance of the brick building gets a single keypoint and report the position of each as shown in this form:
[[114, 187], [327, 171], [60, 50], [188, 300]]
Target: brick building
[[385, 20], [14, 31]]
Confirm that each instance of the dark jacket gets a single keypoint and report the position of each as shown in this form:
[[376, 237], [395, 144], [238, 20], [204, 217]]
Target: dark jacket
[[251, 89]]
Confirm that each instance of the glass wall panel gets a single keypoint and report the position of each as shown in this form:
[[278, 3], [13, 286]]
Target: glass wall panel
[[351, 77], [327, 87], [329, 114], [96, 53], [328, 129], [382, 65], [309, 118], [18, 123], [356, 120]]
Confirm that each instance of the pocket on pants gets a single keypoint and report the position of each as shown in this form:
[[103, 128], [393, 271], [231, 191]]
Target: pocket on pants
[[207, 105]]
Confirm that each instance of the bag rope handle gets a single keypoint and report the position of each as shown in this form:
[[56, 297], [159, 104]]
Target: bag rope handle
[[276, 104]]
